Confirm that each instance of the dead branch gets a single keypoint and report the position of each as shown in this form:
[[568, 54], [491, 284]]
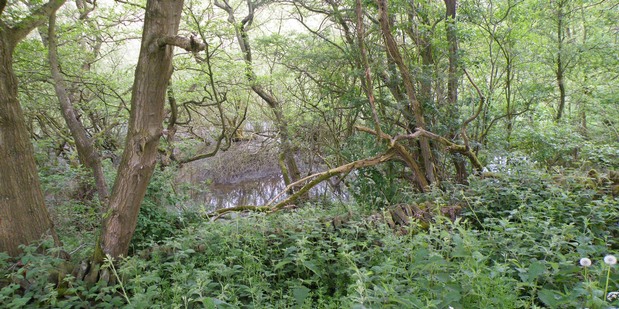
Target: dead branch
[[310, 182], [220, 212]]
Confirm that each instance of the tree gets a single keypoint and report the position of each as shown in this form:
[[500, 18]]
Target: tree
[[288, 164], [395, 55], [23, 216], [88, 154], [152, 75]]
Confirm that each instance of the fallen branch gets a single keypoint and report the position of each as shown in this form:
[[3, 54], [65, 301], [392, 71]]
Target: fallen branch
[[310, 182], [317, 178], [220, 212], [396, 150]]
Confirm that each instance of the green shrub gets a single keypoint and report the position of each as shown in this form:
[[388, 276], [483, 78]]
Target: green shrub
[[517, 245]]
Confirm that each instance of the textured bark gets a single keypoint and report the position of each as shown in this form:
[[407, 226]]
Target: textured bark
[[151, 79], [405, 155], [88, 155], [23, 216]]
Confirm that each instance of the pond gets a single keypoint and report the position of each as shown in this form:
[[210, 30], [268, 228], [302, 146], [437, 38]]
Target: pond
[[241, 177]]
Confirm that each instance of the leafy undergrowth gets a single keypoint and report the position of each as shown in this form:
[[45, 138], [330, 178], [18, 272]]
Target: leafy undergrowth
[[517, 245]]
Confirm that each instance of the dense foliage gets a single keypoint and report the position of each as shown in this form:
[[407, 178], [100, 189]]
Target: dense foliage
[[518, 100], [517, 245]]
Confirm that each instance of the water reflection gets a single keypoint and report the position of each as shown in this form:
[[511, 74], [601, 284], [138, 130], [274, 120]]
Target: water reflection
[[254, 192], [250, 192], [246, 174]]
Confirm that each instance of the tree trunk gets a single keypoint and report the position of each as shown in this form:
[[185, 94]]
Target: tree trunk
[[561, 84], [88, 155], [151, 79], [394, 53], [560, 62], [23, 216], [452, 80], [452, 83]]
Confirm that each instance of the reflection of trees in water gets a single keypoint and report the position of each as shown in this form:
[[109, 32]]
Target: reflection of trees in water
[[243, 193], [257, 192]]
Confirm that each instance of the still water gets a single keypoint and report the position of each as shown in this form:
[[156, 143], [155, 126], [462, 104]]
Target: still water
[[255, 192]]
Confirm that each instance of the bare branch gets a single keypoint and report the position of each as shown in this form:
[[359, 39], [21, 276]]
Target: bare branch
[[404, 154], [131, 3], [366, 79], [482, 101]]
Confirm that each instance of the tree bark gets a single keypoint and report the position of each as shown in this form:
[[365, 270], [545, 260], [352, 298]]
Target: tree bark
[[23, 216], [151, 79], [366, 78], [452, 82], [452, 39]]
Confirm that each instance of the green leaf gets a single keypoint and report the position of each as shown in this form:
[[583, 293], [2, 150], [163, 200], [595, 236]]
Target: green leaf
[[300, 294], [281, 264], [536, 269], [549, 297], [311, 266]]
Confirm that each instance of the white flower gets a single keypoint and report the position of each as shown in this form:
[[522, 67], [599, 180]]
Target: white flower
[[612, 296], [585, 262], [610, 260]]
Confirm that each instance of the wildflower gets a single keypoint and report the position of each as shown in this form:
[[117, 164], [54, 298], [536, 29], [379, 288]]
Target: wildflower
[[610, 260], [612, 296], [585, 262]]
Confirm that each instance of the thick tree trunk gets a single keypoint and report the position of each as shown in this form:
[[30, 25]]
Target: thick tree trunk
[[152, 75], [23, 216]]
